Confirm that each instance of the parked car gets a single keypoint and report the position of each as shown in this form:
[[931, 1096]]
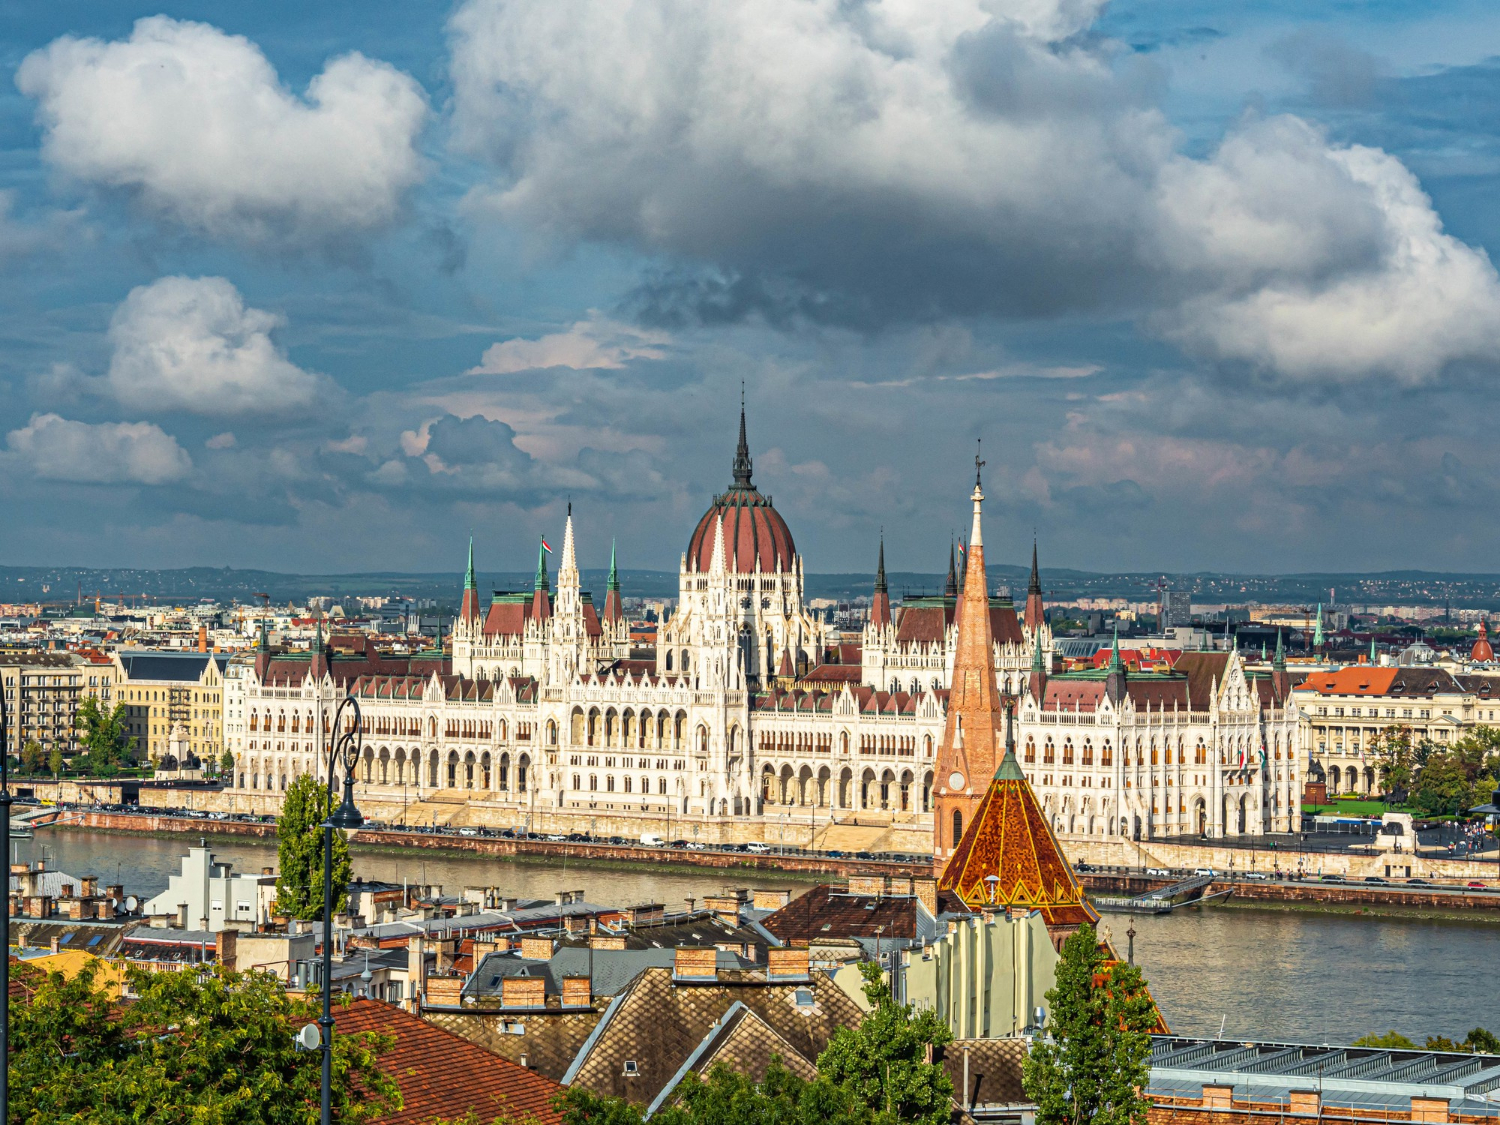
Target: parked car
[[757, 848], [1157, 871], [1209, 871], [1254, 875], [1376, 879], [1418, 883], [1476, 885]]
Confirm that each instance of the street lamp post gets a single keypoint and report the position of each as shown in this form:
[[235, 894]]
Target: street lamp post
[[343, 749], [5, 915]]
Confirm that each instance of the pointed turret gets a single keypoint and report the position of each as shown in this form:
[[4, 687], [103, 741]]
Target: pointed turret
[[950, 588], [541, 601], [1318, 628], [469, 609], [1036, 682], [1281, 679], [1010, 858], [969, 751], [880, 608], [319, 662], [742, 463], [1035, 613], [1114, 681], [614, 611], [1481, 653]]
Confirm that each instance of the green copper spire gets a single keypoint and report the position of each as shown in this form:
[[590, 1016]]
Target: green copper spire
[[1373, 657], [1262, 652], [1115, 664], [1279, 661], [613, 585], [1010, 769], [317, 642], [541, 566], [1318, 628], [1036, 654], [469, 581]]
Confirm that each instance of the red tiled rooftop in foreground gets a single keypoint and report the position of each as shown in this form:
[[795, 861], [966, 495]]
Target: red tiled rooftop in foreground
[[444, 1076]]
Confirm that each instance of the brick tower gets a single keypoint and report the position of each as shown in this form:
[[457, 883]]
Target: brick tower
[[969, 753]]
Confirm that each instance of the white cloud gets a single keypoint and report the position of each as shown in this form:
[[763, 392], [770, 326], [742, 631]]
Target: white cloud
[[197, 123], [56, 448], [891, 162], [225, 440], [184, 343], [592, 343]]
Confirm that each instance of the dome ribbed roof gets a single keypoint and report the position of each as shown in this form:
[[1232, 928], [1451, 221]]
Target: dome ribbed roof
[[753, 529]]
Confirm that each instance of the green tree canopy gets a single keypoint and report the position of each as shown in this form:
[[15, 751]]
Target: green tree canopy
[[1093, 1065], [55, 761], [33, 758], [105, 738], [299, 852], [1392, 1040], [215, 1048]]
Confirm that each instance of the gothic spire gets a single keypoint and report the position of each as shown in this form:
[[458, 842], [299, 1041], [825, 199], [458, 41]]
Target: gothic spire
[[614, 574], [742, 464], [1010, 768], [950, 589], [880, 605], [1115, 664], [469, 581], [880, 587], [541, 568], [1278, 662], [1035, 585]]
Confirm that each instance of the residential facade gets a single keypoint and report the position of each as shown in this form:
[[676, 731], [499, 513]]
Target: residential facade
[[43, 691], [1345, 712], [174, 703]]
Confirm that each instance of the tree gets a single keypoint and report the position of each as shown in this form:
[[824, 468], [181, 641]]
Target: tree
[[299, 852], [1093, 1065], [226, 764], [32, 757], [884, 1063], [1391, 1040], [55, 761], [212, 1046], [105, 739], [1400, 756]]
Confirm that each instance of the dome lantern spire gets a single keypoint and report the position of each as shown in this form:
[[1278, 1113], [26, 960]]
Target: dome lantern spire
[[742, 463]]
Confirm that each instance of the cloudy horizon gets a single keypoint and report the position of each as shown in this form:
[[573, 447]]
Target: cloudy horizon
[[331, 291]]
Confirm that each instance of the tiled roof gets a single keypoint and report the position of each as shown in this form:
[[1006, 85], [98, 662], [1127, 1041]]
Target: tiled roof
[[827, 911], [1011, 839], [755, 535], [548, 1040], [657, 1024], [994, 1070], [443, 1075]]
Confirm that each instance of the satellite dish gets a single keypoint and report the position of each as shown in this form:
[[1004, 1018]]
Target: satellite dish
[[131, 903], [310, 1037]]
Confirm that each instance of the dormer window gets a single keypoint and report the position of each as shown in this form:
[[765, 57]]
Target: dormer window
[[631, 1069]]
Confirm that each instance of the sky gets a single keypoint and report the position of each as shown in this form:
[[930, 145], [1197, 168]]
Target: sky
[[333, 287]]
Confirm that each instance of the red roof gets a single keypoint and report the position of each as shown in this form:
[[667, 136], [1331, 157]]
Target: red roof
[[444, 1076], [754, 533]]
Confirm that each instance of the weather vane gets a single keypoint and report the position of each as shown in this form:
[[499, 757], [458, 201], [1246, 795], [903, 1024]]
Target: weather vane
[[978, 464]]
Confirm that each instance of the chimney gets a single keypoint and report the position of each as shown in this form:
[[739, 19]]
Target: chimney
[[695, 962], [787, 964], [182, 915], [1433, 1111], [416, 971], [925, 888], [537, 948], [577, 992], [1218, 1097], [523, 992], [1307, 1103], [226, 948], [56, 944]]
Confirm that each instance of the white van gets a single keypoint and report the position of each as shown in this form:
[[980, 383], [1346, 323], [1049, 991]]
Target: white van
[[652, 840]]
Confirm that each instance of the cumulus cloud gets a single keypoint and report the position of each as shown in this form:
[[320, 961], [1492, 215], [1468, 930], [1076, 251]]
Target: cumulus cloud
[[57, 448], [197, 124], [593, 343], [886, 162], [186, 343]]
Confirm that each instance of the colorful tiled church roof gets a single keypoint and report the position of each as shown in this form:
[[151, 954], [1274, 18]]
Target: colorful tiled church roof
[[1009, 857]]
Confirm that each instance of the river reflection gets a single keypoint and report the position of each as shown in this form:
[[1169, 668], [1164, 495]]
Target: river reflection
[[1264, 974]]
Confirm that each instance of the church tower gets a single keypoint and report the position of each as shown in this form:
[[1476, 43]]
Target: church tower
[[968, 755]]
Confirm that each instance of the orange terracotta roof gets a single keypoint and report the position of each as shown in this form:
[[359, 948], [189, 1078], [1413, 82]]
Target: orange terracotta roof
[[1009, 838], [442, 1075], [1359, 679]]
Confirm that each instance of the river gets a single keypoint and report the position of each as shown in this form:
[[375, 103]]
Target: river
[[1292, 975]]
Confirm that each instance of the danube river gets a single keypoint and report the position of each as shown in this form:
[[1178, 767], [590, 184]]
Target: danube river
[[1267, 974]]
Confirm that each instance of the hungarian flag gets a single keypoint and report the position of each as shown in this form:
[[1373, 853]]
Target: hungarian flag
[[546, 546]]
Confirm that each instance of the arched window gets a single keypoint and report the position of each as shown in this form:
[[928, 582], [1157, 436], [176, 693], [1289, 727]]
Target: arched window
[[1030, 750], [958, 827]]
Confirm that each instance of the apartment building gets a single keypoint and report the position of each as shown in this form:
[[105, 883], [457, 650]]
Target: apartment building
[[167, 692], [1344, 712], [43, 691]]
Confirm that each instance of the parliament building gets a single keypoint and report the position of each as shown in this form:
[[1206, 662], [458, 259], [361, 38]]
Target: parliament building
[[749, 720]]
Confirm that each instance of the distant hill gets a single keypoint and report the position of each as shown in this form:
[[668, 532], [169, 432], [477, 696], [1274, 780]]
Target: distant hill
[[189, 584]]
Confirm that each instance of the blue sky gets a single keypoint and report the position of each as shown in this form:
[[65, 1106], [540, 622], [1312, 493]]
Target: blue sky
[[331, 289]]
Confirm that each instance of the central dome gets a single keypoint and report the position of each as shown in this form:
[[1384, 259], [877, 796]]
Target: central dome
[[754, 531]]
